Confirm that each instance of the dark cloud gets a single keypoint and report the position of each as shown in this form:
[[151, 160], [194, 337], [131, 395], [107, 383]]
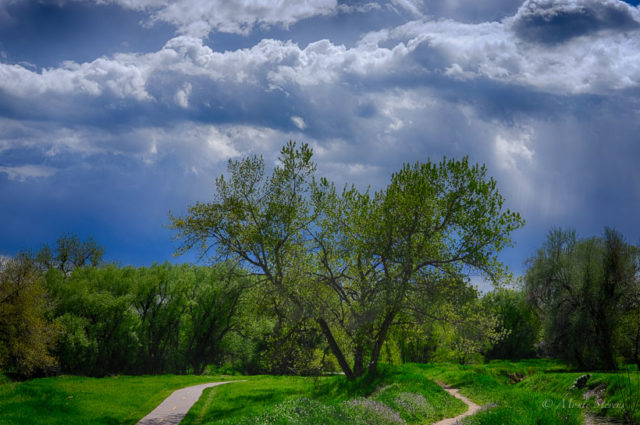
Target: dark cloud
[[46, 33], [557, 21], [472, 11]]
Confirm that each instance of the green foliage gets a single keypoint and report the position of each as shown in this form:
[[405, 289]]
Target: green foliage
[[583, 288], [26, 336], [453, 325], [70, 253], [628, 335], [352, 261], [399, 250], [295, 349], [94, 307], [519, 318], [416, 343], [159, 303], [158, 319], [213, 298], [474, 332]]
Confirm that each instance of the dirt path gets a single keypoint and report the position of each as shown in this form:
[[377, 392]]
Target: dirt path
[[473, 408], [175, 407]]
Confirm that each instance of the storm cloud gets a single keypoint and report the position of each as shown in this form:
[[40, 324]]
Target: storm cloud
[[545, 93], [557, 21]]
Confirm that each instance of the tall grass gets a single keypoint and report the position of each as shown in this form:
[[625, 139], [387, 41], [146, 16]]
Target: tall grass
[[506, 402]]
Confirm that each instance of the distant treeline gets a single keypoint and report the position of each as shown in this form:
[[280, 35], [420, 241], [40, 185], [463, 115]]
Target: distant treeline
[[64, 310], [97, 320]]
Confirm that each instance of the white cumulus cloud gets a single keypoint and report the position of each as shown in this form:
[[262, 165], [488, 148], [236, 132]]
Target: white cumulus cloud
[[511, 150], [200, 17]]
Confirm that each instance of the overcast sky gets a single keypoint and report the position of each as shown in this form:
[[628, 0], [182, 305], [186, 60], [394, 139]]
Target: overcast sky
[[113, 112]]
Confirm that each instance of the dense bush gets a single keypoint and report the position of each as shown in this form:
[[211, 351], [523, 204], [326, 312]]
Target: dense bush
[[159, 319], [26, 336], [518, 317], [586, 293]]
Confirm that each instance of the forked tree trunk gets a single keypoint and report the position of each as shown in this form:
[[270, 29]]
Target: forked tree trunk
[[358, 366]]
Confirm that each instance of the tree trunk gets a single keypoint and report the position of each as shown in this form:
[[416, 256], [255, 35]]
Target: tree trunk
[[358, 360], [382, 336], [335, 349], [605, 338]]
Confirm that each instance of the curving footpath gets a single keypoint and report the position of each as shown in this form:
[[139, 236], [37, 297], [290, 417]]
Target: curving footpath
[[473, 407], [175, 407]]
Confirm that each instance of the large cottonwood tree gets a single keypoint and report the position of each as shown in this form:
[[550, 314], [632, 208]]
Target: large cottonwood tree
[[352, 260]]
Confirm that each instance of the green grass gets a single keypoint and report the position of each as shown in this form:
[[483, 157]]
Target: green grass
[[393, 393], [523, 393], [508, 402], [543, 396], [265, 399], [73, 400]]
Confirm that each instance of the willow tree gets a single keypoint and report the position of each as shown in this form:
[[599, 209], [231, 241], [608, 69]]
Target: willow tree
[[352, 260], [585, 290]]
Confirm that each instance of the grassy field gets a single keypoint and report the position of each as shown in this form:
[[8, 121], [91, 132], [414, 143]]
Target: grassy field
[[396, 395], [539, 392], [79, 400], [527, 392], [390, 397]]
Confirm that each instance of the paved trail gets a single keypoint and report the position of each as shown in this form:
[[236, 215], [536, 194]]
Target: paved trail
[[175, 407], [473, 408]]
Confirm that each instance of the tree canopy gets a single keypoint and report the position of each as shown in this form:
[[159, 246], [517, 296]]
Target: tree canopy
[[583, 289], [352, 261], [26, 336]]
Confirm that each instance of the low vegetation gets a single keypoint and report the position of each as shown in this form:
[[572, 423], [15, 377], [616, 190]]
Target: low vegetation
[[390, 396], [540, 392], [522, 393], [75, 400]]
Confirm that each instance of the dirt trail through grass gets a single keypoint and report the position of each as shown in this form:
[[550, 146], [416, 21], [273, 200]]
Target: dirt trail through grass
[[473, 407], [175, 407]]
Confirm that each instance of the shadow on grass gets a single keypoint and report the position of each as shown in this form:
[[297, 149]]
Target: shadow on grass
[[341, 388]]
